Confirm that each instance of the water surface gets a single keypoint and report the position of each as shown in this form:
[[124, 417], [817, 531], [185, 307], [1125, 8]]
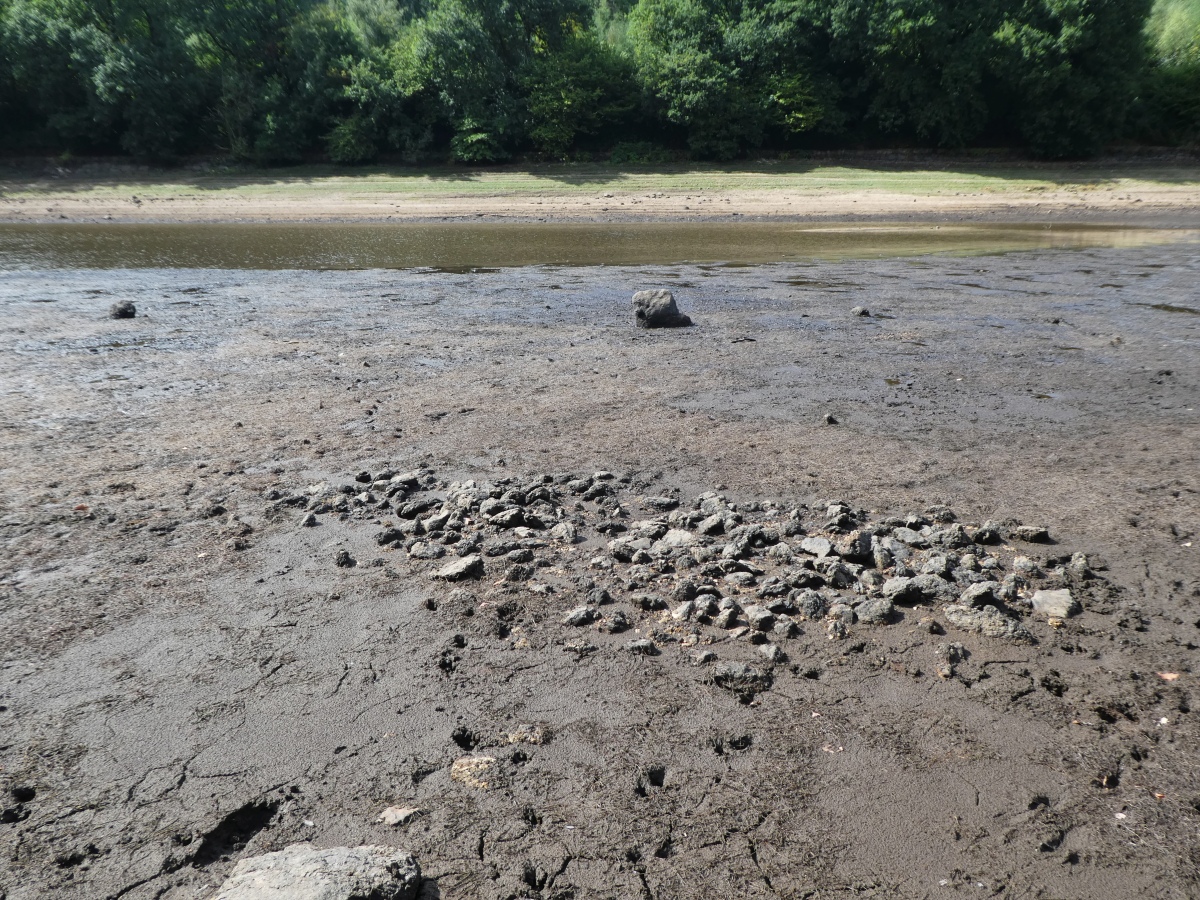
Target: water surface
[[473, 245]]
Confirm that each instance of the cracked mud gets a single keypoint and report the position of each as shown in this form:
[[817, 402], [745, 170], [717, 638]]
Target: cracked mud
[[466, 564]]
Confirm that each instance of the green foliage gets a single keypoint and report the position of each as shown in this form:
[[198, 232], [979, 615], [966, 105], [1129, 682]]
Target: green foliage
[[274, 81], [1171, 91], [583, 88], [1073, 65]]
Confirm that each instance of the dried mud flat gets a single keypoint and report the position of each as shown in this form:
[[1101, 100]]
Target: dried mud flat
[[191, 677]]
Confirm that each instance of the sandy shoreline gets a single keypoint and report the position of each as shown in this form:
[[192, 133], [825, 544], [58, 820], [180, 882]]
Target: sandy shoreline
[[1135, 195]]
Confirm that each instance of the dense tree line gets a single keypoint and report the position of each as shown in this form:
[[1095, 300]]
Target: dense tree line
[[276, 81]]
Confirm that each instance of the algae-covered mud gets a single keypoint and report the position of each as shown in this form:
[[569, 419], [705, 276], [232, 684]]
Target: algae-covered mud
[[464, 563]]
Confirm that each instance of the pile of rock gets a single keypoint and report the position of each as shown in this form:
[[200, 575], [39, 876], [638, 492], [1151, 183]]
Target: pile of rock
[[677, 570]]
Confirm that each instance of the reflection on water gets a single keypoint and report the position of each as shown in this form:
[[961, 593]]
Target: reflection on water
[[473, 247]]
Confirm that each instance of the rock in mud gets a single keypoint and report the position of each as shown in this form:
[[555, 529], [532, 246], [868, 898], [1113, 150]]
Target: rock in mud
[[461, 569], [343, 560], [1033, 534], [874, 612], [861, 311], [580, 616], [642, 647], [1058, 604], [123, 309], [982, 593], [302, 872], [742, 679], [989, 622], [657, 309]]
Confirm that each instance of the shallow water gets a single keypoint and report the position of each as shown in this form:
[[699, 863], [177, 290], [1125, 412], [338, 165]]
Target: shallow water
[[466, 246]]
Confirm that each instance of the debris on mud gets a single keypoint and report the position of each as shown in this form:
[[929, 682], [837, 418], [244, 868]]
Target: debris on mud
[[593, 552], [122, 309]]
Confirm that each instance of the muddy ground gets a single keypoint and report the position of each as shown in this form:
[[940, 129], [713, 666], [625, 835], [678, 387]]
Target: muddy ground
[[189, 678]]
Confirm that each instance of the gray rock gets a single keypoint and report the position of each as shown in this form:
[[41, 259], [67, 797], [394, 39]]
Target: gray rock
[[422, 550], [343, 560], [989, 622], [933, 588], [773, 653], [742, 678], [861, 311], [874, 612], [122, 309], [684, 611], [1033, 534], [841, 612], [1059, 604], [811, 605], [302, 872], [901, 590], [565, 532], [760, 618], [817, 546], [657, 309], [714, 524], [466, 567], [642, 647], [910, 537], [580, 616], [983, 593], [616, 623]]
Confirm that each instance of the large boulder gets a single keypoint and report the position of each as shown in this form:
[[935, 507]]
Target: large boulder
[[302, 872], [657, 309]]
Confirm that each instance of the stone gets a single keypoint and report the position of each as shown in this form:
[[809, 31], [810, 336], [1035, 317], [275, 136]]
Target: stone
[[642, 647], [1059, 604], [677, 537], [861, 311], [1032, 534], [742, 678], [874, 612], [657, 309], [931, 587], [684, 611], [773, 653], [983, 593], [461, 569], [811, 605], [760, 618], [989, 622], [343, 560], [901, 590], [714, 524], [817, 546], [616, 623], [399, 815], [302, 872], [422, 550], [565, 532], [122, 309], [580, 616]]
